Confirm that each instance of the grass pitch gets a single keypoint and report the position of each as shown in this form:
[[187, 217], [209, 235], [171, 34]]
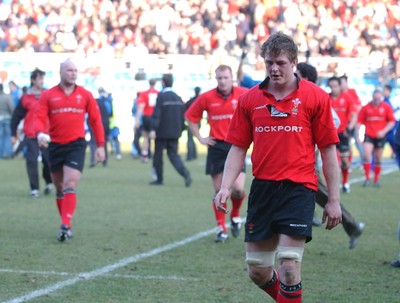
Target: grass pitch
[[137, 243]]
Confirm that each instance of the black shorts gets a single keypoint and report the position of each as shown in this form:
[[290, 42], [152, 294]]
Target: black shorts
[[146, 123], [377, 143], [216, 157], [344, 143], [71, 154], [279, 207]]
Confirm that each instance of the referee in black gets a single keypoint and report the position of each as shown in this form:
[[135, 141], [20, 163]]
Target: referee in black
[[167, 123]]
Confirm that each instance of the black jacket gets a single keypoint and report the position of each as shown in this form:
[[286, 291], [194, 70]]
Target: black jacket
[[168, 117]]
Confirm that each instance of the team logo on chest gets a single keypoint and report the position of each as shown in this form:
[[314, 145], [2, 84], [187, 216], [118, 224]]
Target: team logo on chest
[[296, 103], [78, 99], [234, 103]]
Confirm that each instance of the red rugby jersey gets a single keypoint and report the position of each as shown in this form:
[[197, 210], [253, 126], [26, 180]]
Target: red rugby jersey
[[30, 103], [219, 110], [375, 118], [344, 107], [148, 98], [66, 115], [284, 133]]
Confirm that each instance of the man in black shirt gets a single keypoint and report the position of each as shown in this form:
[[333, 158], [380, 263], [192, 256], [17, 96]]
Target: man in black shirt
[[168, 122]]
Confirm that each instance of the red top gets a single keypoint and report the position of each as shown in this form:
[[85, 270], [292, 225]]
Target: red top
[[30, 102], [375, 118], [219, 110], [148, 98], [344, 107], [284, 133], [356, 99], [67, 115]]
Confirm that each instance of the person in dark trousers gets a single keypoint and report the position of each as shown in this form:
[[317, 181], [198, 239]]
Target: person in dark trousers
[[104, 102], [167, 125], [352, 227], [191, 146], [26, 109]]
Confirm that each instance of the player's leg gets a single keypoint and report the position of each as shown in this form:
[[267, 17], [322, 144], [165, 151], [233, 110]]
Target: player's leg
[[260, 259], [31, 156], [222, 235], [289, 255], [378, 151], [367, 153], [237, 197]]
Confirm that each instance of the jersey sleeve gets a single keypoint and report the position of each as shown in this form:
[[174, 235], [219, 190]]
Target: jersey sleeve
[[195, 112], [240, 129], [323, 127], [95, 119], [41, 115]]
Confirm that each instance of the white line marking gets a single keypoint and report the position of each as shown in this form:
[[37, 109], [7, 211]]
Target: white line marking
[[137, 277], [384, 172], [106, 269]]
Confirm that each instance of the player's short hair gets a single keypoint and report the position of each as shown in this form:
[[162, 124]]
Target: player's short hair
[[334, 78], [278, 43], [223, 67], [168, 80], [307, 71], [37, 73]]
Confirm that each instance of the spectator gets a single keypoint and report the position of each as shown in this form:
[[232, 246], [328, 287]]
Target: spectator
[[6, 110], [191, 146], [104, 102]]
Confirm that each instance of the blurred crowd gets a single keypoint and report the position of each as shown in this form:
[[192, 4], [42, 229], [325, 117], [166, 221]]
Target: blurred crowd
[[123, 27]]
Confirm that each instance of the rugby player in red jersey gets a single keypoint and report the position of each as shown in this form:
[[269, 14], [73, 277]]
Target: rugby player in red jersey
[[65, 106], [344, 106], [220, 104], [378, 118], [284, 118], [26, 110], [146, 103]]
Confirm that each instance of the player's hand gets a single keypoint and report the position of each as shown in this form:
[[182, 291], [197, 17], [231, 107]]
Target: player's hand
[[100, 154], [332, 215], [152, 134], [209, 141], [380, 134], [43, 140], [220, 200], [14, 140]]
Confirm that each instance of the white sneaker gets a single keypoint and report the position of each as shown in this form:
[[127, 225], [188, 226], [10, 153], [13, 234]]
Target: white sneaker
[[35, 193], [118, 157], [346, 188]]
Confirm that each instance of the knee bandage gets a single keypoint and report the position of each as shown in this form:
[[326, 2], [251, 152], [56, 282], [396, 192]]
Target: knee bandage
[[291, 253], [260, 259]]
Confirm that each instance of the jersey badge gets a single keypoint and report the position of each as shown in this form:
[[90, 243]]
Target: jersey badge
[[296, 103]]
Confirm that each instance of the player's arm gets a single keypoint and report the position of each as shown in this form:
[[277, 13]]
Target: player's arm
[[382, 133], [330, 168], [18, 114], [139, 113], [233, 167]]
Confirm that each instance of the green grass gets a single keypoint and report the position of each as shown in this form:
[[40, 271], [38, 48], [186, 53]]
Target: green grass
[[119, 216]]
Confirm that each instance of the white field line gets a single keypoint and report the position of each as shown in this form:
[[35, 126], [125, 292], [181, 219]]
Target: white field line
[[109, 268], [385, 171], [136, 277], [105, 270]]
